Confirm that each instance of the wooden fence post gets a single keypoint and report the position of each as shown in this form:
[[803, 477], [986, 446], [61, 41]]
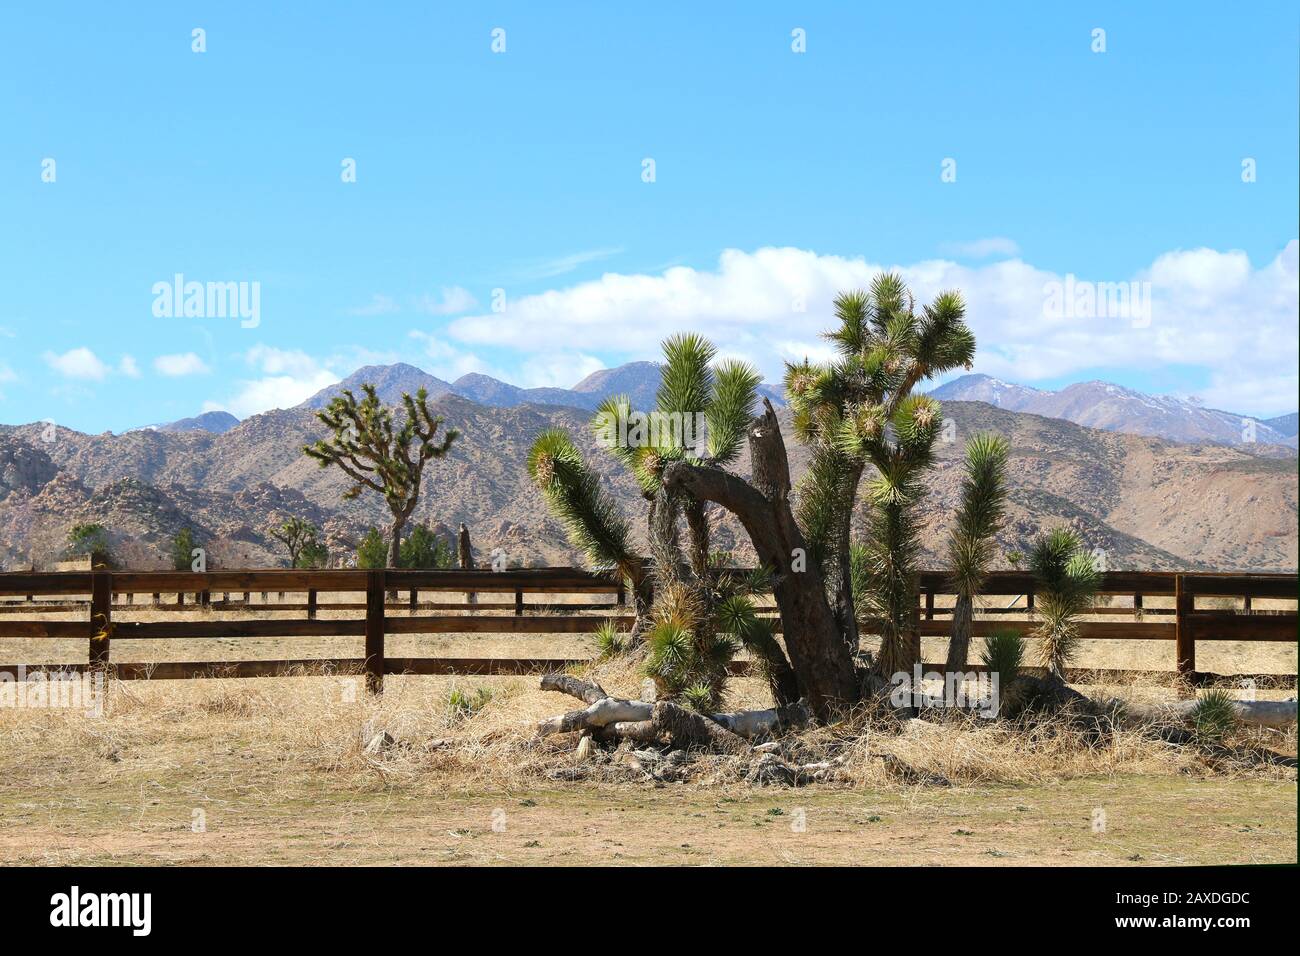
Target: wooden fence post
[[311, 604], [1184, 638], [101, 617], [519, 602], [375, 631], [929, 604]]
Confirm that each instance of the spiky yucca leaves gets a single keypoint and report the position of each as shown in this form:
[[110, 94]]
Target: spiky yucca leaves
[[590, 516], [1004, 655], [367, 449], [610, 641], [684, 648], [1067, 579], [858, 411], [970, 542], [686, 651], [1214, 716]]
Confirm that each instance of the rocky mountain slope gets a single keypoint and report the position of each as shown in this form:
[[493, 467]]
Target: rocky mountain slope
[[1115, 408], [1146, 503]]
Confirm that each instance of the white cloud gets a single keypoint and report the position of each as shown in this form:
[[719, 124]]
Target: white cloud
[[450, 363], [7, 374], [982, 248], [127, 366], [557, 370], [1208, 308], [286, 377], [451, 301], [80, 363], [185, 363]]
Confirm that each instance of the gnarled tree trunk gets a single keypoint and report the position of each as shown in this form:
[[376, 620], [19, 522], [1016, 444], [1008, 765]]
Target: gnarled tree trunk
[[819, 656]]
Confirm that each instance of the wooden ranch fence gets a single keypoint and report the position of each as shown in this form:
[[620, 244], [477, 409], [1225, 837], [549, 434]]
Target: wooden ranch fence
[[105, 593]]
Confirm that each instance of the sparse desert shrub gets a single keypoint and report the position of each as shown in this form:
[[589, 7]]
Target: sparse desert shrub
[[461, 705]]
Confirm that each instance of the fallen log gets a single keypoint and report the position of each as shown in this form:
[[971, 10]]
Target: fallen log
[[1256, 713], [760, 723], [603, 712]]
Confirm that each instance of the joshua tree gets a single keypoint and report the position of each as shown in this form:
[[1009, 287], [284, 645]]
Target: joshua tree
[[701, 615], [970, 543], [853, 412], [368, 449], [295, 534], [1067, 580]]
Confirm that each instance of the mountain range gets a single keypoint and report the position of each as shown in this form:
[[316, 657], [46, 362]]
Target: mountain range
[[1095, 404], [1146, 502], [1115, 408]]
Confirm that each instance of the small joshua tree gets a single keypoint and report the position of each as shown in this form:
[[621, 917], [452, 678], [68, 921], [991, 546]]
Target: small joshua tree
[[970, 543], [295, 534], [369, 450], [1067, 579]]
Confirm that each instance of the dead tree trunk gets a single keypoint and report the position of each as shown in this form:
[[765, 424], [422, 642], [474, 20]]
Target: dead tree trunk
[[819, 655], [465, 558]]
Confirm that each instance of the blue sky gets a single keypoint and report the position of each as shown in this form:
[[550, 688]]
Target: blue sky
[[779, 177]]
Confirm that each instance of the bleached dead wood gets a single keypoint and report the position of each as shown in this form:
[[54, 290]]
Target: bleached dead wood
[[586, 691], [1256, 713], [752, 724], [603, 712]]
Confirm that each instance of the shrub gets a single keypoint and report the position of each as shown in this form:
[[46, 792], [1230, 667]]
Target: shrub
[[1214, 716], [372, 552], [423, 549]]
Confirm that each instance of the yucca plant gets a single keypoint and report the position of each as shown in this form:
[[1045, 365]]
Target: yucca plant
[[970, 542], [1004, 654], [1067, 580], [610, 641], [1214, 716]]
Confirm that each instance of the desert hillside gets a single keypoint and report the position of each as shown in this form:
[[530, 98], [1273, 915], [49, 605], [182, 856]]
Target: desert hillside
[[1147, 502]]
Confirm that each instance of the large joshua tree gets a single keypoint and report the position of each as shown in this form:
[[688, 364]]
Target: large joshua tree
[[854, 412], [700, 614], [374, 454], [970, 542]]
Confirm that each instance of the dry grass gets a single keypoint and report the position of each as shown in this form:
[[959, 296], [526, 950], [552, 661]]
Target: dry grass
[[282, 755]]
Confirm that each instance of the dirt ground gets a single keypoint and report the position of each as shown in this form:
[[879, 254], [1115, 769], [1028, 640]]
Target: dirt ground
[[151, 820]]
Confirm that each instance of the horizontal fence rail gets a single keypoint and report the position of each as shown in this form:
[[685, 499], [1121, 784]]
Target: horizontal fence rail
[[102, 594]]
